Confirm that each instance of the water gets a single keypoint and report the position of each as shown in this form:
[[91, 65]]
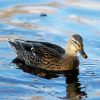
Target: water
[[51, 21]]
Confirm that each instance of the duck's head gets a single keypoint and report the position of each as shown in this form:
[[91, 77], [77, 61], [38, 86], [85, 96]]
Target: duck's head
[[76, 45]]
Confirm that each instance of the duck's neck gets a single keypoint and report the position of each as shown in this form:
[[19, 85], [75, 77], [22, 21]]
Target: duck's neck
[[70, 50]]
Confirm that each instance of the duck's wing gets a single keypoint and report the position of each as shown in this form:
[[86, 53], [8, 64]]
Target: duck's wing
[[40, 53], [55, 47]]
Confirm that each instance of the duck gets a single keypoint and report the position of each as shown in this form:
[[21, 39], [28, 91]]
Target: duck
[[49, 56]]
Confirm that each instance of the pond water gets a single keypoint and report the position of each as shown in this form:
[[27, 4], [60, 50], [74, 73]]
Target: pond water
[[52, 21]]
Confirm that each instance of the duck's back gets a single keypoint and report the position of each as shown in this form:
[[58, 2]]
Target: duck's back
[[55, 47]]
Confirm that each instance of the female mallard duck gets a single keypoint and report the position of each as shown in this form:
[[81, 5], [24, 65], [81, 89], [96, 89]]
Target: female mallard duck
[[50, 56]]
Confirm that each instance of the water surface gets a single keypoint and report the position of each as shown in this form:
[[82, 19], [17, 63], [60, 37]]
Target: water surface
[[52, 21]]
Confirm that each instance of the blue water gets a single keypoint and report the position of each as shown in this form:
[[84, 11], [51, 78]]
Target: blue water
[[23, 19]]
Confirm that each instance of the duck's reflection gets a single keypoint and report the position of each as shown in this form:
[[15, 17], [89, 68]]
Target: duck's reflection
[[73, 89]]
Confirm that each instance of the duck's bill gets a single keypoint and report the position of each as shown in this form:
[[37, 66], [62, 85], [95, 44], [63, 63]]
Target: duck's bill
[[83, 54]]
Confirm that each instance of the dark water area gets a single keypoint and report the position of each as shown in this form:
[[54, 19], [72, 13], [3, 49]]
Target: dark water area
[[52, 21]]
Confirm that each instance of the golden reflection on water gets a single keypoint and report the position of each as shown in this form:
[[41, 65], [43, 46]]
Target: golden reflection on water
[[5, 16], [26, 9], [49, 8], [83, 20]]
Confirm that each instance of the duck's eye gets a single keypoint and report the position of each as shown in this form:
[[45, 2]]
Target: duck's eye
[[75, 42]]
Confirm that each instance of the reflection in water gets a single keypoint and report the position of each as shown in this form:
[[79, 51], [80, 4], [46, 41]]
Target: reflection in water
[[26, 9], [73, 89]]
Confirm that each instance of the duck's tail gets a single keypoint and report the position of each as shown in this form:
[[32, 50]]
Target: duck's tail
[[15, 42], [11, 40]]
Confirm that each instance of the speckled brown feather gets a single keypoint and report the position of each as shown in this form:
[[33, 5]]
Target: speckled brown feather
[[44, 55]]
